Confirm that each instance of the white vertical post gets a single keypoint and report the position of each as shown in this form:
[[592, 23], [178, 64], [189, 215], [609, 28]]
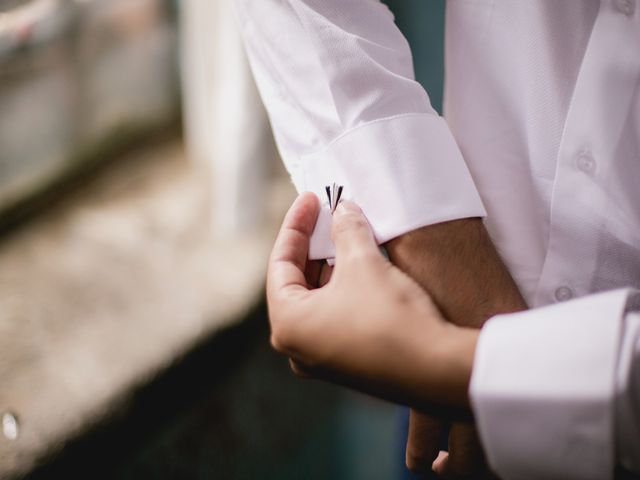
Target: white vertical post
[[226, 126]]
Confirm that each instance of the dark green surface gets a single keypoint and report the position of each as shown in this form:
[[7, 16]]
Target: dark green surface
[[263, 423], [232, 410], [422, 22]]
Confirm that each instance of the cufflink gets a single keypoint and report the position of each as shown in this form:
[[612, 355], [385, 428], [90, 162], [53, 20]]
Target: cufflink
[[334, 192]]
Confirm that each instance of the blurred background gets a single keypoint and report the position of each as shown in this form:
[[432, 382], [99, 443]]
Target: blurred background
[[140, 192]]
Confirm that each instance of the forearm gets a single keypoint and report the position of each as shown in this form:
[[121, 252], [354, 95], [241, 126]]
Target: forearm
[[456, 349], [345, 108], [458, 265], [424, 368]]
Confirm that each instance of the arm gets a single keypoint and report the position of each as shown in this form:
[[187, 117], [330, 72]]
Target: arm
[[568, 378], [555, 391], [336, 77], [457, 264], [347, 331]]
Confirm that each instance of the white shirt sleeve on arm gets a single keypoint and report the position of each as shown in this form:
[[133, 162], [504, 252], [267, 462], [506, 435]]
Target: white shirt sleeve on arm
[[336, 77], [555, 390]]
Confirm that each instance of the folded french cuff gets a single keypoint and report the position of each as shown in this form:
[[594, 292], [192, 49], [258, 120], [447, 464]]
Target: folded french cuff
[[405, 172], [543, 387]]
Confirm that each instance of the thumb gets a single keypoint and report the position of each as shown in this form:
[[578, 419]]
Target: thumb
[[351, 232]]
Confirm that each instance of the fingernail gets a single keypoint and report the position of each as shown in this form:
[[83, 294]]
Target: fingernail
[[347, 207]]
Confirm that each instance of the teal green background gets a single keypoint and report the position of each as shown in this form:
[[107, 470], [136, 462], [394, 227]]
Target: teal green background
[[422, 22]]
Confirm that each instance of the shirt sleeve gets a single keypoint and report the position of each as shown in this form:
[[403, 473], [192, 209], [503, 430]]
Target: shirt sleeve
[[556, 390], [336, 77]]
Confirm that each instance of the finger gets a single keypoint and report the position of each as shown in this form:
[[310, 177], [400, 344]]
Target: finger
[[299, 370], [325, 274], [317, 273], [440, 466], [312, 272], [422, 441], [289, 255], [465, 458], [351, 232], [444, 469], [465, 453]]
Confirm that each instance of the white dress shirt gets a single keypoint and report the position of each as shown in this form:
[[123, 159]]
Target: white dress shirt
[[556, 390], [542, 134]]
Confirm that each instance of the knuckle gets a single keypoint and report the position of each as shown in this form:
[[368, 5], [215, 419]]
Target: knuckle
[[280, 340], [417, 463], [365, 256], [347, 222], [298, 370], [283, 327], [275, 341], [358, 255]]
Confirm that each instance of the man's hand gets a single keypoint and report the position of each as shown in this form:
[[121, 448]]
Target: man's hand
[[371, 327], [457, 264]]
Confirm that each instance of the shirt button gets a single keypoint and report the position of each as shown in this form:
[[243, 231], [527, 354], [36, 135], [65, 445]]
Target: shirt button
[[628, 7], [585, 162], [563, 294]]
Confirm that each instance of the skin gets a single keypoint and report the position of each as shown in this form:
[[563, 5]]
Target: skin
[[458, 265], [370, 327]]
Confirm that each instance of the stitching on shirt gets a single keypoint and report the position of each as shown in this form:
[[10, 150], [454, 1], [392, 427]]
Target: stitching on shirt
[[372, 122]]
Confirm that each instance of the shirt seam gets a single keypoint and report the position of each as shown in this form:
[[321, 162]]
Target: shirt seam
[[364, 125]]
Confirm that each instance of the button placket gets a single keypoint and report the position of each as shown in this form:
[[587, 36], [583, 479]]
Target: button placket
[[615, 25]]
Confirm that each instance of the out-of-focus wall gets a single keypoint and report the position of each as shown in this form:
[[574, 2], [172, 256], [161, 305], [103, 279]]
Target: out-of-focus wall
[[76, 75], [226, 127]]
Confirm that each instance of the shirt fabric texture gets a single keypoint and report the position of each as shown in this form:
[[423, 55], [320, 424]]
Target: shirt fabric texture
[[542, 136]]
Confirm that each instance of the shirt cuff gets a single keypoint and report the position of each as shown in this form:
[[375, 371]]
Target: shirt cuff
[[543, 388], [404, 172]]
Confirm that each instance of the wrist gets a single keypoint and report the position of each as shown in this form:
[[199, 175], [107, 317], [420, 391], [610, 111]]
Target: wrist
[[445, 366], [457, 264], [457, 353]]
